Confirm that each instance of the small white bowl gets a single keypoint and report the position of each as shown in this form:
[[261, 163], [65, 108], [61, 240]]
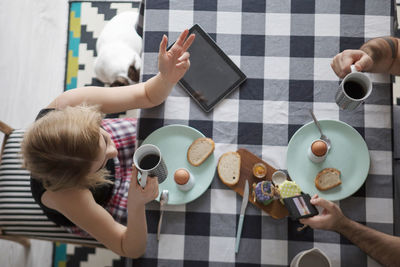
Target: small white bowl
[[278, 177]]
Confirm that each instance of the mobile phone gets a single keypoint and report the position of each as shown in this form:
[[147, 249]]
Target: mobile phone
[[300, 207]]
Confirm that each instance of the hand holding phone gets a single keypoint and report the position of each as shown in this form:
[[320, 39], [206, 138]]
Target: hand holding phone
[[300, 207]]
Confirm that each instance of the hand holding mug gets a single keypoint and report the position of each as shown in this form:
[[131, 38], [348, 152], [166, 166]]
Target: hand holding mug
[[353, 90], [149, 162], [143, 195], [341, 62]]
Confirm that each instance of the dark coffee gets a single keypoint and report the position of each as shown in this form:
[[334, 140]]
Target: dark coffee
[[149, 161], [354, 90]]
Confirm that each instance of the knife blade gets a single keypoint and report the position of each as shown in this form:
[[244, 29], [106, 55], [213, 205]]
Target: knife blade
[[242, 212]]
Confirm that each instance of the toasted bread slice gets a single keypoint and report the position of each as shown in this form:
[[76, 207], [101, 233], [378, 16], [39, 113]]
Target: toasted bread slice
[[327, 178], [229, 168], [199, 150]]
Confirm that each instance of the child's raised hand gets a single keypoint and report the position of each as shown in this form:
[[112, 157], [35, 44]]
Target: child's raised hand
[[174, 63]]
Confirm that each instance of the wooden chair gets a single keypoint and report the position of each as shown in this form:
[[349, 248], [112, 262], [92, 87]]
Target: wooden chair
[[21, 218]]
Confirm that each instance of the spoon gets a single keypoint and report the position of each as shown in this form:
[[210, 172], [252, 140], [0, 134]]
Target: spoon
[[301, 228], [323, 137], [163, 202]]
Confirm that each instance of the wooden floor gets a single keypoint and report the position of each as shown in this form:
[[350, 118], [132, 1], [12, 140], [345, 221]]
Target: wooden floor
[[32, 66], [14, 255]]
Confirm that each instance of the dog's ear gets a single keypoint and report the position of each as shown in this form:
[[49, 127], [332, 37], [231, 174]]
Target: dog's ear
[[120, 81], [133, 74]]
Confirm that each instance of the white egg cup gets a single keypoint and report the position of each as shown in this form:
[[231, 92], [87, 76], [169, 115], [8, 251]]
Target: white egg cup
[[190, 183], [314, 158]]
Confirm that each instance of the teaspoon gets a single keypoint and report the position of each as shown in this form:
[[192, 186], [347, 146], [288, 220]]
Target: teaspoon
[[323, 137]]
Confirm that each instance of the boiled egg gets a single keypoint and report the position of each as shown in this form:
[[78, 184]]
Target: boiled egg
[[319, 148], [181, 176]]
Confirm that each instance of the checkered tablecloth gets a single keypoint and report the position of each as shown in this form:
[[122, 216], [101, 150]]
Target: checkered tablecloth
[[285, 48]]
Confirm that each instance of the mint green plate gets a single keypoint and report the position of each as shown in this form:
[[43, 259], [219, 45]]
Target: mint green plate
[[349, 154], [174, 141]]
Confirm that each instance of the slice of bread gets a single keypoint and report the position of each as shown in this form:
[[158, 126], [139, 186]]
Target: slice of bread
[[199, 150], [229, 168], [327, 178]]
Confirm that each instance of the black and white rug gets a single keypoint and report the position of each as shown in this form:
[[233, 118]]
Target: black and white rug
[[86, 21]]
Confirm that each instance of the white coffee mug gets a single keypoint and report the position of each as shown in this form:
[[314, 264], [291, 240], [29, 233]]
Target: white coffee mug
[[149, 162], [311, 257], [353, 90]]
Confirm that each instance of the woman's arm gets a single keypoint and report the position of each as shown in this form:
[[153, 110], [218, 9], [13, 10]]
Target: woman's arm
[[80, 207], [172, 65], [382, 247]]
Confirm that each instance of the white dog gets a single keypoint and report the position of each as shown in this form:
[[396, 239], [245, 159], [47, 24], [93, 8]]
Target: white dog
[[118, 48]]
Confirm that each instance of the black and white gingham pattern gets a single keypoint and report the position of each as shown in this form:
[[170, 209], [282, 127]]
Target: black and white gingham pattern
[[19, 213], [285, 48]]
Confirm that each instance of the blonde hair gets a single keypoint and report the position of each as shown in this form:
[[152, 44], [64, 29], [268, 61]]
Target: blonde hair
[[60, 148]]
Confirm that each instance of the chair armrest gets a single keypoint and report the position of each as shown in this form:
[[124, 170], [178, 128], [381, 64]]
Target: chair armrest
[[5, 128]]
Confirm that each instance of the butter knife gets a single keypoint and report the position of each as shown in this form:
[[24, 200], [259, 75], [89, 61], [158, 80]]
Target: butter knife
[[242, 212]]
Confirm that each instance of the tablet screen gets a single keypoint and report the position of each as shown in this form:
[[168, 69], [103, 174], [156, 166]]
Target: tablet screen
[[212, 74]]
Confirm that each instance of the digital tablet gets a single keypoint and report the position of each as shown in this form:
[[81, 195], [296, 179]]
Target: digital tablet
[[212, 74]]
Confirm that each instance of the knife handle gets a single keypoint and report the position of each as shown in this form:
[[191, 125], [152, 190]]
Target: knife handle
[[239, 232]]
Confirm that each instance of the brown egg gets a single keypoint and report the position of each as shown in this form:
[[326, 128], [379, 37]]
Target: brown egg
[[319, 148], [181, 176]]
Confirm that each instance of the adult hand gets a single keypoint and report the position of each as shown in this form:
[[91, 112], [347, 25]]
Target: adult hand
[[341, 62], [173, 63], [143, 195], [331, 218]]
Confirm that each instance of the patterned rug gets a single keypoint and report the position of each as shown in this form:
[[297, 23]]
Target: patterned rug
[[86, 21], [67, 255]]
